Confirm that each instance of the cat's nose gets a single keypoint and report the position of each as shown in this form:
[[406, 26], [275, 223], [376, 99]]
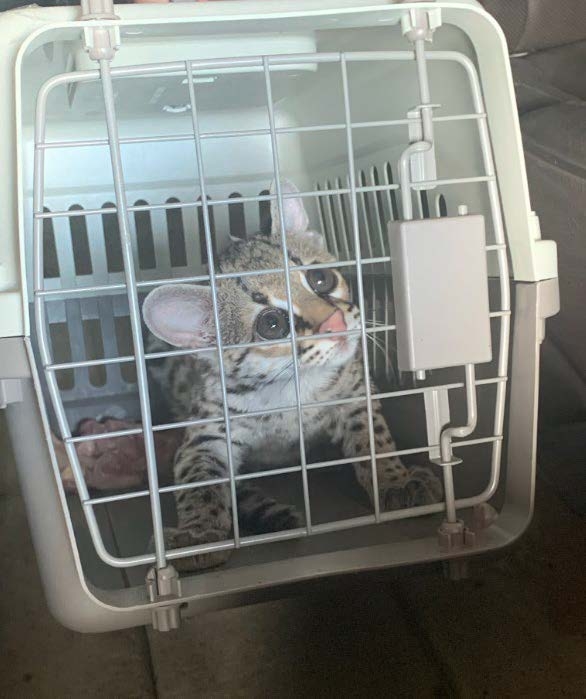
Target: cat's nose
[[334, 324]]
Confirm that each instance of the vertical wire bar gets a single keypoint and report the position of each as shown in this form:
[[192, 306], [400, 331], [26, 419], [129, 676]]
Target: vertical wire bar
[[377, 213], [279, 193], [133, 306], [379, 218], [330, 216], [339, 198], [75, 329], [41, 327], [499, 234], [374, 338], [369, 213], [419, 204], [386, 291], [391, 198], [322, 222], [427, 131], [365, 222], [358, 254], [388, 180], [212, 275]]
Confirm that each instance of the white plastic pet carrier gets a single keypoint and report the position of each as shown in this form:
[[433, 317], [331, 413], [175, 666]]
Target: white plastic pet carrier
[[136, 141]]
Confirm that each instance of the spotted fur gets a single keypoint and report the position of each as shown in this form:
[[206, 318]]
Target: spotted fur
[[262, 378]]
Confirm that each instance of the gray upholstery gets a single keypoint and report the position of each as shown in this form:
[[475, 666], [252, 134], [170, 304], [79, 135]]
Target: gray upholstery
[[532, 25], [550, 83], [555, 152]]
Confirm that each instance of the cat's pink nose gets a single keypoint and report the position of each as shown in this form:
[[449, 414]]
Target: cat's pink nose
[[334, 324]]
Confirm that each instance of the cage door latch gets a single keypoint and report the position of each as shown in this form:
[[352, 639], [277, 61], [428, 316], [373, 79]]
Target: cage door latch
[[164, 587], [101, 42]]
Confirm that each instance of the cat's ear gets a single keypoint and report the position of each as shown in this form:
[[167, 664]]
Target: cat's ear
[[296, 218], [181, 314]]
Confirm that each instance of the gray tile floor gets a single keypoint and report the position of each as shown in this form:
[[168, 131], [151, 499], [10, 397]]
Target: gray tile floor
[[514, 629]]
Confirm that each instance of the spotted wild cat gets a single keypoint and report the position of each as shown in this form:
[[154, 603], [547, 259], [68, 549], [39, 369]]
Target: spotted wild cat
[[253, 308]]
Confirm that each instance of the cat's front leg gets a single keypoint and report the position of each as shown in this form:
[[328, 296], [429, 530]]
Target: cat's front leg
[[204, 513], [399, 486]]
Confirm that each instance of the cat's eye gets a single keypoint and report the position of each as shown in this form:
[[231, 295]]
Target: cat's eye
[[322, 281], [272, 324]]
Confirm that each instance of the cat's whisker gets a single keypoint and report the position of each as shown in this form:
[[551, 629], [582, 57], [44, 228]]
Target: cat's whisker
[[378, 344], [279, 373]]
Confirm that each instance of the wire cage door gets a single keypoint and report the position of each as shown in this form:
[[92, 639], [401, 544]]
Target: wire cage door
[[355, 233]]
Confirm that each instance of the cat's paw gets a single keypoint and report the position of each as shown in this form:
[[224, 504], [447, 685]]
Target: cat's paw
[[176, 538], [278, 518], [420, 487], [259, 513]]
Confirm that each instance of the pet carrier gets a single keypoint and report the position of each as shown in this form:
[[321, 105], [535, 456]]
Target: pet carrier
[[139, 143]]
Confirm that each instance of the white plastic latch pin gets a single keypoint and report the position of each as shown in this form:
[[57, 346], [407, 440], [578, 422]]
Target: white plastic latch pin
[[419, 25], [100, 42]]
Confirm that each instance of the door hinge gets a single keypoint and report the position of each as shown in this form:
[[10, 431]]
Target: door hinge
[[101, 42], [164, 586]]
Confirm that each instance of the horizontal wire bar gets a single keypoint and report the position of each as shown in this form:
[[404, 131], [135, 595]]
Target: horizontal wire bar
[[265, 474], [121, 497], [168, 354], [86, 363], [287, 470], [101, 288], [306, 406], [262, 197], [257, 198], [284, 409], [133, 140], [275, 536], [180, 68], [186, 486], [71, 291], [423, 450], [454, 180], [103, 435], [205, 421], [187, 423], [440, 387], [205, 278]]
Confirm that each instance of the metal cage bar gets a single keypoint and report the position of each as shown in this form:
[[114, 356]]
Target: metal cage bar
[[134, 311], [253, 132], [337, 191], [213, 288], [360, 282], [279, 193]]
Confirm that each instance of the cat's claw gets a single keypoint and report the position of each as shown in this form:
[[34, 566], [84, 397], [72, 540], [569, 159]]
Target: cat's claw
[[421, 487], [176, 538]]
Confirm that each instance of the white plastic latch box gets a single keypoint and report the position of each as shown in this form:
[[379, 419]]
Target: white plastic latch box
[[441, 292]]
